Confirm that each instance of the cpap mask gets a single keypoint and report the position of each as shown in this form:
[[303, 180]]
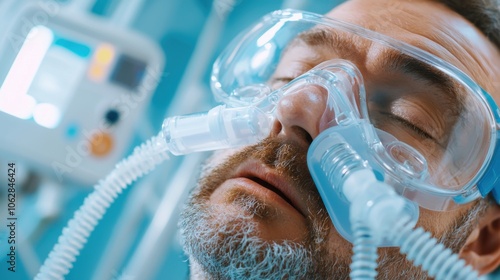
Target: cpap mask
[[413, 131], [422, 126]]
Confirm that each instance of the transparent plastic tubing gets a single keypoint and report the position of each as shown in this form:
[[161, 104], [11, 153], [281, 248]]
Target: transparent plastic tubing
[[433, 257], [74, 236], [364, 260]]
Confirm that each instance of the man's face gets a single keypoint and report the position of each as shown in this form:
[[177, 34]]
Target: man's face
[[256, 211]]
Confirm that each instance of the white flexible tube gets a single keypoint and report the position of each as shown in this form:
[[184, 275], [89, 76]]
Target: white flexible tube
[[437, 260], [220, 128], [144, 159], [364, 260]]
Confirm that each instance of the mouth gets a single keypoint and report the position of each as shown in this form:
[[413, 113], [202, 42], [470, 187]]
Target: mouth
[[272, 188], [270, 180]]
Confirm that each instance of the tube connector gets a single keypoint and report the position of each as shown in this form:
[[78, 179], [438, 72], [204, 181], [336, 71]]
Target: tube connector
[[220, 128], [373, 202]]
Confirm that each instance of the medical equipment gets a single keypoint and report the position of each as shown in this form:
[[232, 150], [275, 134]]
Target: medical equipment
[[363, 162], [430, 166], [78, 85]]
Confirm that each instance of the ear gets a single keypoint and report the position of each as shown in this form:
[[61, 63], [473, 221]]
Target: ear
[[482, 247]]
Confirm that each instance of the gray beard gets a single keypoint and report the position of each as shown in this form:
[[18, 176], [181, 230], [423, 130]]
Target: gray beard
[[227, 246], [222, 247]]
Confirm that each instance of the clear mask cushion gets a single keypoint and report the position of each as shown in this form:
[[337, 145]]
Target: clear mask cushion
[[342, 84]]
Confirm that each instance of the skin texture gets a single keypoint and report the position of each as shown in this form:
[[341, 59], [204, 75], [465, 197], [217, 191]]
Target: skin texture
[[226, 198]]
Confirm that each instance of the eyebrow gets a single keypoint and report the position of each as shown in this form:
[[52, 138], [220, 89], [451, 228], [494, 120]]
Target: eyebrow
[[421, 70], [318, 37], [394, 60]]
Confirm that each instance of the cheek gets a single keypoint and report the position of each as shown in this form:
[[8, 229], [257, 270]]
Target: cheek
[[439, 222], [337, 246]]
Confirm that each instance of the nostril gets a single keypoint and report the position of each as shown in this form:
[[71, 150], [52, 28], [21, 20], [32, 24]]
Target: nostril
[[276, 129], [302, 134], [295, 131]]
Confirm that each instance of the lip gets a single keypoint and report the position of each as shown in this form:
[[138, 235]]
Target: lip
[[267, 178]]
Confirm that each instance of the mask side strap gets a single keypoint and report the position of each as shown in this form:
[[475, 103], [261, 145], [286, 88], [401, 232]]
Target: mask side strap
[[490, 182], [495, 169]]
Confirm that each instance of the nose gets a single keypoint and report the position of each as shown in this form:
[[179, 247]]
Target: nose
[[300, 115]]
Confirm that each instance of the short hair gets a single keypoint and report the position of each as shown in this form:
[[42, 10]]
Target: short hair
[[484, 14]]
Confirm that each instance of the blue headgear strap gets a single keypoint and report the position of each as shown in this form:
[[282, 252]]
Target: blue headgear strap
[[496, 194], [490, 182]]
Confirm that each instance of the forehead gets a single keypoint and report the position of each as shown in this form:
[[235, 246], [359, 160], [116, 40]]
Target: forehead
[[432, 27]]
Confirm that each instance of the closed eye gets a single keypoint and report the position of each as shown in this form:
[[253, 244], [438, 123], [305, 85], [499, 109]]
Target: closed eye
[[410, 125]]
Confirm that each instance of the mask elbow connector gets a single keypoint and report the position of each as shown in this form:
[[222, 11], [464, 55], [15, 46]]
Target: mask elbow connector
[[373, 202], [219, 128]]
